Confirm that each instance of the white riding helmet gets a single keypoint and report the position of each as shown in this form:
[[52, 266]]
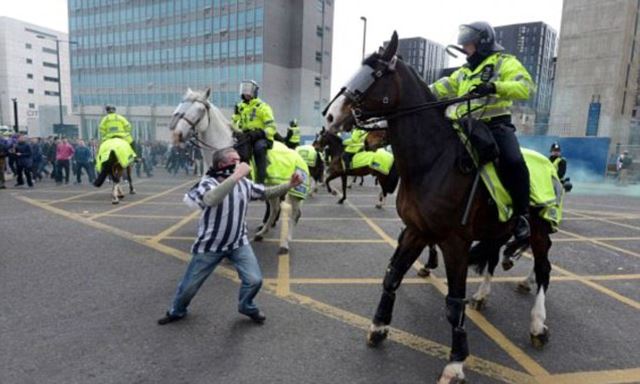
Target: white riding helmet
[[249, 88]]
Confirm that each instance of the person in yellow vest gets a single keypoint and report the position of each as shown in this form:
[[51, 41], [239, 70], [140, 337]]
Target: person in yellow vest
[[254, 117], [353, 145], [557, 160], [115, 125], [292, 140], [501, 79]]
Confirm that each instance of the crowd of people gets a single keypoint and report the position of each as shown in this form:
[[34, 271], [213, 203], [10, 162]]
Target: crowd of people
[[31, 160]]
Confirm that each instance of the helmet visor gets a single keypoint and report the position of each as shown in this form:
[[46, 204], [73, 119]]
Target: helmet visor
[[248, 88], [468, 35]]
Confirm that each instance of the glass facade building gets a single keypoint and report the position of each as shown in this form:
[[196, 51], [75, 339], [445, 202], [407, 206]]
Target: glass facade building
[[143, 53], [425, 56], [534, 44]]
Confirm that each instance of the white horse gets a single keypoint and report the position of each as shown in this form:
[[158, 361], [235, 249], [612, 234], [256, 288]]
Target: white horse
[[198, 120]]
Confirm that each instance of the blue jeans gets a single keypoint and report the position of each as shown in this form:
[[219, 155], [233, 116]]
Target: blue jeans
[[201, 266]]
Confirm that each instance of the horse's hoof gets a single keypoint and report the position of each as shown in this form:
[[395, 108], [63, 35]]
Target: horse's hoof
[[539, 341], [115, 202], [478, 304], [379, 206], [424, 272], [523, 287], [120, 196], [132, 192], [341, 201], [334, 193], [258, 238], [507, 264], [376, 335], [283, 251]]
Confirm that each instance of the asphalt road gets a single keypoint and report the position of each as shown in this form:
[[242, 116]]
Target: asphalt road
[[83, 283]]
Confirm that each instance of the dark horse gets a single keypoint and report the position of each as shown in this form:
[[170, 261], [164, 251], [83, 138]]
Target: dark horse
[[335, 149], [114, 170], [432, 196]]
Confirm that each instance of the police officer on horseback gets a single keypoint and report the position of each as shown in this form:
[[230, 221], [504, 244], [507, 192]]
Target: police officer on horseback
[[115, 125], [292, 140], [254, 117], [501, 79], [353, 145]]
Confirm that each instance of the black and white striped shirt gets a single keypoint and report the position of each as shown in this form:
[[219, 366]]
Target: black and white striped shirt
[[223, 227]]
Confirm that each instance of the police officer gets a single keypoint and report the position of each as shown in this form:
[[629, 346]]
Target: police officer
[[501, 78], [292, 140], [115, 125], [254, 117], [557, 160], [353, 145]]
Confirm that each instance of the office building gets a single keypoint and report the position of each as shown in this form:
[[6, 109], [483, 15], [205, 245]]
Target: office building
[[142, 56], [596, 79], [534, 44], [29, 74]]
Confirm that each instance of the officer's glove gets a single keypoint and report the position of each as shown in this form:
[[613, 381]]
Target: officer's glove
[[484, 89], [278, 137]]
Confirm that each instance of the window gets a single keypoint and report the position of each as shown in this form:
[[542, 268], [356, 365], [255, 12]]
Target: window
[[27, 45], [32, 106], [29, 75], [51, 93], [319, 31], [51, 79], [318, 81], [49, 50], [319, 56], [50, 65], [30, 90], [316, 105], [29, 61]]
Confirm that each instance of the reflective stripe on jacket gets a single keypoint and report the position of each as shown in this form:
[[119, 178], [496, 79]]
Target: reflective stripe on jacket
[[510, 77], [254, 115], [114, 125]]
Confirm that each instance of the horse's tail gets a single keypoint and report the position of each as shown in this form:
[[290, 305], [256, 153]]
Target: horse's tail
[[107, 167], [390, 182], [486, 252]]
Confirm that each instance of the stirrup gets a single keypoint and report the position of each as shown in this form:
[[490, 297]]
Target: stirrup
[[513, 251]]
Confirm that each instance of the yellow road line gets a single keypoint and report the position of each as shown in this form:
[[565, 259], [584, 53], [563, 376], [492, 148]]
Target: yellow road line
[[417, 343], [143, 216], [142, 201], [330, 241], [604, 220], [420, 281], [594, 377], [174, 227], [530, 365], [74, 197], [591, 239], [600, 243]]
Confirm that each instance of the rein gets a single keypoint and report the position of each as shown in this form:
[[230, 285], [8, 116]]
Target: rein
[[367, 121]]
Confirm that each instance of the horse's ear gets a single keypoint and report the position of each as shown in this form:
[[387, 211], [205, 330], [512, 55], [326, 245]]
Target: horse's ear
[[391, 49], [207, 93]]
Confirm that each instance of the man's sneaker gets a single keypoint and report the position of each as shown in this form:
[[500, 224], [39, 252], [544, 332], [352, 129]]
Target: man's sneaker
[[257, 317], [169, 318], [520, 242]]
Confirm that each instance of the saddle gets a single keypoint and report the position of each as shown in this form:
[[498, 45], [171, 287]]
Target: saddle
[[546, 190]]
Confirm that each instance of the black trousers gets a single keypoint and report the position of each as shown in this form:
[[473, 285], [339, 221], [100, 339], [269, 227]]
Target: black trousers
[[511, 166], [260, 156], [20, 170]]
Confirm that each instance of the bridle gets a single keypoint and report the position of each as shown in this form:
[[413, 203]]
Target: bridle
[[363, 80], [181, 112]]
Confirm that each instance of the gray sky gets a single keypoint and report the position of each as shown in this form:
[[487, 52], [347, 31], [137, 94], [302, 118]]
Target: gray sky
[[436, 20]]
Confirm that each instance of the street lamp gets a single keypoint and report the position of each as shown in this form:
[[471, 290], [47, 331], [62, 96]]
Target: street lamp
[[364, 35], [15, 116], [58, 41]]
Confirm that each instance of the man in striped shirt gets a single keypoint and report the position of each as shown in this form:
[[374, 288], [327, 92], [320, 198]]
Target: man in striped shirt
[[224, 195]]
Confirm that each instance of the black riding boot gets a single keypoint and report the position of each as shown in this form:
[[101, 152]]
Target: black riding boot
[[347, 157], [260, 157]]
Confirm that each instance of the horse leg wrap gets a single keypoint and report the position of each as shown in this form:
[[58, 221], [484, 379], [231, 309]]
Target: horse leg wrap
[[455, 315], [390, 284]]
